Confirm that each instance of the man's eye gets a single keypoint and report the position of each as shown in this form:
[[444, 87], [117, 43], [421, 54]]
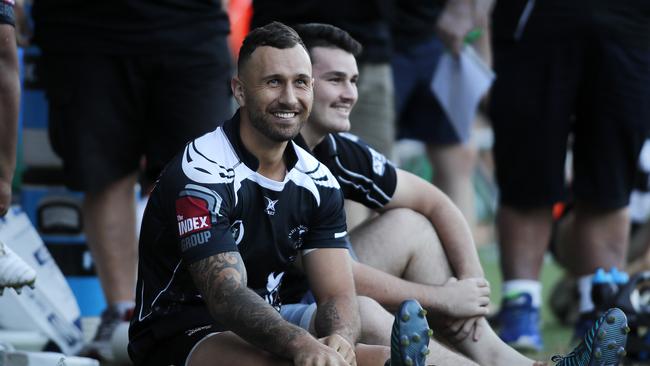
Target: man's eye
[[335, 80], [301, 82], [273, 82]]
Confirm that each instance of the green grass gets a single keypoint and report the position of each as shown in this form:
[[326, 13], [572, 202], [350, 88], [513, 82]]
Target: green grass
[[556, 336]]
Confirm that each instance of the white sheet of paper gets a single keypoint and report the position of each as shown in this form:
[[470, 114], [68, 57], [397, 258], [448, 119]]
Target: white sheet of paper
[[459, 83]]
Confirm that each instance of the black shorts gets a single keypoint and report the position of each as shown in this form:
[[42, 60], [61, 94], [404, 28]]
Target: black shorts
[[420, 115], [173, 350], [108, 111], [584, 84]]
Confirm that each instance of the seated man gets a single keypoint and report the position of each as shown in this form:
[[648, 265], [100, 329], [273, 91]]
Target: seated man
[[216, 237], [399, 253]]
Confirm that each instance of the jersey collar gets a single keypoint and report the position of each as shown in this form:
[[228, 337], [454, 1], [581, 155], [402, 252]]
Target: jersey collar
[[231, 129]]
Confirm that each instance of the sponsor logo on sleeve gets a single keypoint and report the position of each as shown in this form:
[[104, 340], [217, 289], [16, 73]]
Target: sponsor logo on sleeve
[[192, 215], [378, 162]]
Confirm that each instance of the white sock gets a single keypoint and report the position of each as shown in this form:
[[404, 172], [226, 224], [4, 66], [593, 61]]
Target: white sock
[[584, 289], [531, 287]]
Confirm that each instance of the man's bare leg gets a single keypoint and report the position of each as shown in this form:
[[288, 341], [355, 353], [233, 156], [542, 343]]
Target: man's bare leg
[[602, 238], [523, 238], [454, 167], [228, 349], [417, 255], [109, 217]]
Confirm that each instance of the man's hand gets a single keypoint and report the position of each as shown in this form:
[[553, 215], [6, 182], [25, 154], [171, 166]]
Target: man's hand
[[319, 354], [457, 330], [342, 347], [5, 196], [466, 298]]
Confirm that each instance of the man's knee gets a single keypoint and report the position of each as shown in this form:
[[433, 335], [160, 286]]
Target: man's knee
[[376, 322]]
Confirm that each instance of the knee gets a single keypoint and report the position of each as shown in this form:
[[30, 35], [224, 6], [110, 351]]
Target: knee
[[416, 226], [376, 322]]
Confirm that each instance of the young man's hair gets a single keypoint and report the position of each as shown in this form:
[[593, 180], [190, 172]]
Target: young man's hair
[[275, 34], [327, 35]]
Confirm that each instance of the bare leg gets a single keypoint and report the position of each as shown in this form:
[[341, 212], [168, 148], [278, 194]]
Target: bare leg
[[416, 253], [523, 238], [418, 256], [454, 166], [228, 349], [110, 229], [601, 239]]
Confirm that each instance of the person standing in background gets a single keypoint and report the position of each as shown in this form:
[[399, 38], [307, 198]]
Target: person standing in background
[[422, 30], [576, 68], [127, 79]]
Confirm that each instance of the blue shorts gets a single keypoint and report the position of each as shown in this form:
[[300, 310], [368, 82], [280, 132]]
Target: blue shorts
[[419, 115]]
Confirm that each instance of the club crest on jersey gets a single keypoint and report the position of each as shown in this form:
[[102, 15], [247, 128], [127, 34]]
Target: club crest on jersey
[[297, 236], [270, 206], [192, 215]]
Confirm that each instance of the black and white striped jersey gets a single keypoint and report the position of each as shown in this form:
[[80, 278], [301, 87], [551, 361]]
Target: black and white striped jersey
[[210, 199], [365, 175]]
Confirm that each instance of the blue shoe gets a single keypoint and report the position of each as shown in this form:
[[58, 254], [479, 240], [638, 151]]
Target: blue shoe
[[519, 323], [603, 344], [584, 323], [409, 341]]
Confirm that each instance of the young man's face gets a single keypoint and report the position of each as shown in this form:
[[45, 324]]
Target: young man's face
[[277, 91], [335, 89]]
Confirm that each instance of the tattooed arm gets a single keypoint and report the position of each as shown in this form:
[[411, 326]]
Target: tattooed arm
[[221, 279], [330, 279]]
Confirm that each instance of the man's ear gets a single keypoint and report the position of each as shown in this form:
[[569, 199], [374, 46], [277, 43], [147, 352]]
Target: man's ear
[[237, 88]]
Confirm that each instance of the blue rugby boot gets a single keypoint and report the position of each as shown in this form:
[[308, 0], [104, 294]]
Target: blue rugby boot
[[519, 323], [603, 344], [409, 341]]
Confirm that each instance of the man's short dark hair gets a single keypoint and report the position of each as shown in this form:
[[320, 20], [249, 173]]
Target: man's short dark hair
[[275, 34], [327, 35]]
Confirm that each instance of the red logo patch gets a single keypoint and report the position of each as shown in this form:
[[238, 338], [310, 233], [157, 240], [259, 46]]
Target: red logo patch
[[192, 215]]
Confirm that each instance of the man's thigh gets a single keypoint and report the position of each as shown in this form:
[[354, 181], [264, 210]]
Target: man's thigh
[[227, 348], [391, 240]]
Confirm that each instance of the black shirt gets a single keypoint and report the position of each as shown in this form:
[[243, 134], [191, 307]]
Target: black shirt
[[211, 200], [129, 26], [414, 21], [366, 21]]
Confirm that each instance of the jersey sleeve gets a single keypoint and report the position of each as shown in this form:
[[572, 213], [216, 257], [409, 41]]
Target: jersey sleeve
[[328, 228], [365, 175], [7, 12], [200, 215]]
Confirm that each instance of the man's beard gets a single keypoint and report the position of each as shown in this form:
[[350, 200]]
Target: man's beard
[[259, 120]]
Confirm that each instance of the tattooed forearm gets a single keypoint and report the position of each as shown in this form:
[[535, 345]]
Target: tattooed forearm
[[340, 316], [222, 281]]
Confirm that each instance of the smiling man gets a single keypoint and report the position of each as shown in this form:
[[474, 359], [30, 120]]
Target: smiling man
[[417, 241], [230, 214]]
